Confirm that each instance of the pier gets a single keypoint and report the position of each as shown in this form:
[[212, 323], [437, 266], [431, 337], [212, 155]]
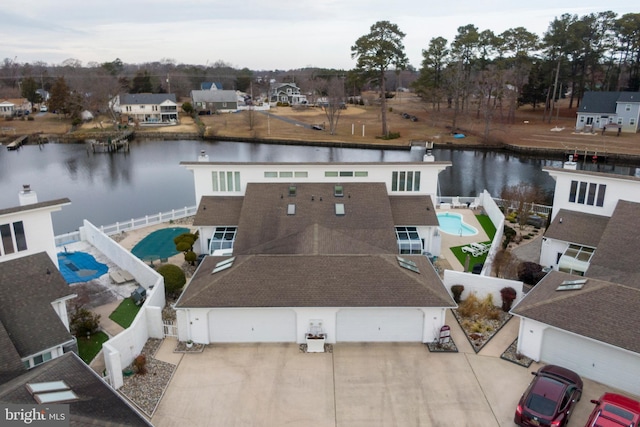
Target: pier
[[111, 145], [17, 143]]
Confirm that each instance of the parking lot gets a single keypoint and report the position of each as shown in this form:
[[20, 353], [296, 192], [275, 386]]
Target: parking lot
[[360, 384]]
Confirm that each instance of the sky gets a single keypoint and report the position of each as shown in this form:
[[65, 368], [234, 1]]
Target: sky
[[256, 34]]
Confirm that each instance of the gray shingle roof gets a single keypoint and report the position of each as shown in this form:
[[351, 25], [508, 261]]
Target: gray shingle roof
[[316, 281], [618, 253], [34, 206], [218, 210], [413, 210], [601, 310], [97, 404], [599, 102], [214, 96], [10, 361], [265, 226], [629, 97], [146, 98], [577, 227], [28, 286]]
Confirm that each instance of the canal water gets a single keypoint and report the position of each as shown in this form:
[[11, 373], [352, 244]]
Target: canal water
[[109, 187]]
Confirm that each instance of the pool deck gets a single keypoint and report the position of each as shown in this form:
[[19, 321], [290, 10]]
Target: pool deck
[[450, 240]]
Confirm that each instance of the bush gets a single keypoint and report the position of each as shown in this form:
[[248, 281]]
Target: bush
[[509, 233], [140, 364], [174, 279], [508, 295], [391, 135], [184, 243], [472, 306], [83, 322], [457, 291], [530, 273]]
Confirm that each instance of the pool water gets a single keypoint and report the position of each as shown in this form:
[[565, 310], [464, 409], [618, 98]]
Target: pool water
[[78, 267], [159, 244], [452, 223]]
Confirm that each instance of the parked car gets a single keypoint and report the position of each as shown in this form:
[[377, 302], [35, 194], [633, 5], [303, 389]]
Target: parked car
[[550, 398], [43, 109], [615, 410]]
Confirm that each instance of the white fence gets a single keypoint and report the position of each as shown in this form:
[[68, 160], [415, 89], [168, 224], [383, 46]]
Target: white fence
[[132, 224]]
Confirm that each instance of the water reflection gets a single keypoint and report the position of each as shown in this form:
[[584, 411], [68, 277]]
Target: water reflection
[[109, 187]]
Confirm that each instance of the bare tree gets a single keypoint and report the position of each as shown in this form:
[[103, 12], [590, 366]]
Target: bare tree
[[335, 102], [520, 198]]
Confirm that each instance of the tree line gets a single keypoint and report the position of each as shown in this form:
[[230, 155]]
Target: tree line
[[478, 72]]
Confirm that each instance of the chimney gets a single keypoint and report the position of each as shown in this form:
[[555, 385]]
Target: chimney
[[203, 156], [570, 164], [26, 196], [429, 157]]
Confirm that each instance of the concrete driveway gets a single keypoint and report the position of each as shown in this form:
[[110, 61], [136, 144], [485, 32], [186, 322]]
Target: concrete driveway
[[356, 385]]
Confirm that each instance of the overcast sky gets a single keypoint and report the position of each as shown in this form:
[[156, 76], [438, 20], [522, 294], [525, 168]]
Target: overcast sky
[[259, 35]]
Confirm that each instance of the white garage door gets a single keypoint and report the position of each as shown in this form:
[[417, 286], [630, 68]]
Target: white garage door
[[252, 325], [371, 325], [599, 362]]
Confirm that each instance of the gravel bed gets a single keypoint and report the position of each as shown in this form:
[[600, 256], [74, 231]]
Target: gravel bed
[[480, 339], [147, 390], [511, 354], [446, 347]]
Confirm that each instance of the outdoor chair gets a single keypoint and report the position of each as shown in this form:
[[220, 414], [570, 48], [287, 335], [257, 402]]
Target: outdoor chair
[[480, 247], [455, 202], [471, 250]]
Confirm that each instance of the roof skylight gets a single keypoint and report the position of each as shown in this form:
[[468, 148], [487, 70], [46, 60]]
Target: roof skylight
[[408, 264], [571, 285], [51, 392], [223, 265]]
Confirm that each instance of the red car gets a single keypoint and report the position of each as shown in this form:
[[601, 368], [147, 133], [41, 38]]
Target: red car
[[550, 398], [614, 410]]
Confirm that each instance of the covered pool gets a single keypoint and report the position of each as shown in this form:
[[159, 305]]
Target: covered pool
[[452, 223], [159, 244], [78, 267]]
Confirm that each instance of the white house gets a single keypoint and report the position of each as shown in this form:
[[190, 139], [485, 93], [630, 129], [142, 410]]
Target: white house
[[34, 325], [331, 249], [585, 316], [148, 108], [7, 108], [287, 93], [615, 110]]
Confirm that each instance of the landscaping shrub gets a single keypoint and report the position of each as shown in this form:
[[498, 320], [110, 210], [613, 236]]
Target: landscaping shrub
[[509, 234], [457, 291], [473, 306], [83, 322], [508, 295], [184, 243], [174, 279], [140, 364], [530, 273]]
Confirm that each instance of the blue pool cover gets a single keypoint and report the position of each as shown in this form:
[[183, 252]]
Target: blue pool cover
[[159, 244], [78, 267]]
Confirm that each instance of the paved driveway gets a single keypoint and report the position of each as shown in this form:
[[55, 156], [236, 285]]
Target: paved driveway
[[356, 385]]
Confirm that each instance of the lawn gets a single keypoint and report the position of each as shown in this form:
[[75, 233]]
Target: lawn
[[125, 313], [490, 229], [90, 347]]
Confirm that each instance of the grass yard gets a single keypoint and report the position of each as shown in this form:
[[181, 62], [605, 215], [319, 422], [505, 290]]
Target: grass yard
[[487, 225], [125, 313], [90, 347]]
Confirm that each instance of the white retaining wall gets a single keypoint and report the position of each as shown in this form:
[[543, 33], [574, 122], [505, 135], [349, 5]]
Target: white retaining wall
[[481, 286], [497, 218], [120, 350]]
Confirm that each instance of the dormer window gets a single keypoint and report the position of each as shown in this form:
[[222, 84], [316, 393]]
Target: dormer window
[[338, 191]]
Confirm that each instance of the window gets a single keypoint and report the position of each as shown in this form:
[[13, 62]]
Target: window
[[338, 191], [620, 121], [409, 241], [632, 121], [223, 238], [346, 173], [588, 193], [405, 181], [41, 358], [271, 174], [7, 240], [286, 174], [627, 107], [21, 240], [292, 191], [225, 181], [333, 174]]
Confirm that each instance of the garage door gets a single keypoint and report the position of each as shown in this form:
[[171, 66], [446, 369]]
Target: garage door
[[252, 325], [371, 325], [599, 362]]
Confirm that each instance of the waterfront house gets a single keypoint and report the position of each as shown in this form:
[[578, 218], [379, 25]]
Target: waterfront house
[[34, 324], [335, 249], [147, 108], [286, 93], [584, 316], [610, 110], [214, 101]]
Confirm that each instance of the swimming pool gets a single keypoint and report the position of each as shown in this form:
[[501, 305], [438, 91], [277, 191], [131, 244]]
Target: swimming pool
[[78, 267], [452, 223], [159, 244]]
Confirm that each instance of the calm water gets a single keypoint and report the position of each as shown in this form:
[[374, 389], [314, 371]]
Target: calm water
[[105, 188]]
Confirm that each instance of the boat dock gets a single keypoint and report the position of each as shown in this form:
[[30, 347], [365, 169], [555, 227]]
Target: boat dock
[[111, 145], [17, 143]]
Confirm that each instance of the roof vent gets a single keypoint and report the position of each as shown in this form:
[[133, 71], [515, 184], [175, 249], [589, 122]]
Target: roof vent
[[26, 196]]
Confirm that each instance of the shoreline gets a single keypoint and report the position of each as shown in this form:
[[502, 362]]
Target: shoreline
[[535, 152]]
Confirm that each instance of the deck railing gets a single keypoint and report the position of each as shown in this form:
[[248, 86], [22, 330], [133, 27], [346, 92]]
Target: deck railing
[[132, 224]]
